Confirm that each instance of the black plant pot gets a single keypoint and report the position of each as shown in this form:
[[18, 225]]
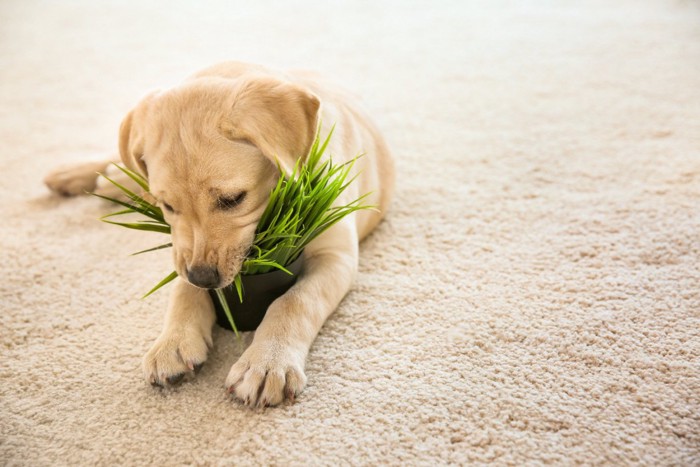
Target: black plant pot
[[259, 291]]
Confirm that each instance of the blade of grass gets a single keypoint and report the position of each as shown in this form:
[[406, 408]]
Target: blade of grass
[[142, 226], [142, 182], [150, 211], [159, 247], [224, 304], [169, 278]]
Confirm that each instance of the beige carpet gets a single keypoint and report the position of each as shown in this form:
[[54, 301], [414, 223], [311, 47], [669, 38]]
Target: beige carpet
[[533, 298]]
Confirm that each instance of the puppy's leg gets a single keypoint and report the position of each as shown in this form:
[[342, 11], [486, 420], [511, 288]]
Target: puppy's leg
[[82, 178], [272, 368], [75, 179], [186, 337]]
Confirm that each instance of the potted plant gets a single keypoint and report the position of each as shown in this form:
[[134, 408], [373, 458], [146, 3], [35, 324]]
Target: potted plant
[[300, 208]]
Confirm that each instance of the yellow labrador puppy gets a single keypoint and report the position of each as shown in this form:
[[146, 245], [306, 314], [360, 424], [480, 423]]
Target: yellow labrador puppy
[[208, 148]]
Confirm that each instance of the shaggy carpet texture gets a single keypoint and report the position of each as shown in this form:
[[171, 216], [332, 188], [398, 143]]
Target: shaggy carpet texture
[[532, 298]]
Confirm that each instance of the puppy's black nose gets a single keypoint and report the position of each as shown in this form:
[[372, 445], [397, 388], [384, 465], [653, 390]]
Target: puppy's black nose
[[206, 277]]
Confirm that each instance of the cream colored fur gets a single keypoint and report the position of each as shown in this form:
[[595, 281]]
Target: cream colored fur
[[219, 134]]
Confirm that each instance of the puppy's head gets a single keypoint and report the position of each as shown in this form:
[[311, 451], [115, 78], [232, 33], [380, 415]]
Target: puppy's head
[[209, 150]]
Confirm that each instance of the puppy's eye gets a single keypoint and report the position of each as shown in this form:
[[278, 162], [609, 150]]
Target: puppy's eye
[[226, 203], [168, 207]]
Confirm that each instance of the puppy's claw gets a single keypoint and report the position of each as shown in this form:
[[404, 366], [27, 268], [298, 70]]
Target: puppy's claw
[[198, 367]]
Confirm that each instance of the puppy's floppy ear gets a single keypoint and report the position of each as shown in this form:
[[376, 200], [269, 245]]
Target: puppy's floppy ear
[[278, 117], [130, 150], [131, 136]]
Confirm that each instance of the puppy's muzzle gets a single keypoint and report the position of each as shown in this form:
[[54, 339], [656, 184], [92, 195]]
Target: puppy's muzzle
[[206, 277]]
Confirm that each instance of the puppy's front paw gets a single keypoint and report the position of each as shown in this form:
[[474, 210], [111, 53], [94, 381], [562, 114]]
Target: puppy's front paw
[[266, 374], [175, 354]]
